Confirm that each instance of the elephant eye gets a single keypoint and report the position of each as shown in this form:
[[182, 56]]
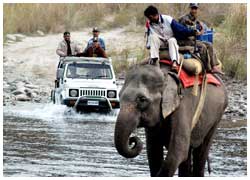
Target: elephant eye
[[142, 102]]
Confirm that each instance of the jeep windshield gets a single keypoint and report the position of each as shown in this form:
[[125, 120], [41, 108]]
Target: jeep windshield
[[89, 71]]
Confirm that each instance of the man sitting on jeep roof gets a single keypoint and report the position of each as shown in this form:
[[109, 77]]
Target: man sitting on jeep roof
[[67, 47], [95, 50], [96, 33]]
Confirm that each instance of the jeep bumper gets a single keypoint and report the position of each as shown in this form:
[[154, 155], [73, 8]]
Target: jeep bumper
[[96, 104]]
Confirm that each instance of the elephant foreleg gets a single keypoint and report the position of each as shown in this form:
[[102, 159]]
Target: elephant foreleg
[[154, 150], [177, 153], [179, 144]]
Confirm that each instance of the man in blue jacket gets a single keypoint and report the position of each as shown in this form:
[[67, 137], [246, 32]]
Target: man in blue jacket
[[96, 33], [164, 31]]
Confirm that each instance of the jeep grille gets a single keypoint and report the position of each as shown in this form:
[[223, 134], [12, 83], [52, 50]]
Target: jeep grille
[[92, 92]]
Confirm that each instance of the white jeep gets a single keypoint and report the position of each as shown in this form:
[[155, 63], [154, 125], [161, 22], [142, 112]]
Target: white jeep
[[86, 83]]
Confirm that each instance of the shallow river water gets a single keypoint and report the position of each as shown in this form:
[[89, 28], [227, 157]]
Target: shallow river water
[[43, 140]]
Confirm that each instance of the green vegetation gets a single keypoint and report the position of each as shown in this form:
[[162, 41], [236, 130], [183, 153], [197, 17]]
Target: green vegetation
[[229, 21], [231, 42], [49, 18], [126, 58]]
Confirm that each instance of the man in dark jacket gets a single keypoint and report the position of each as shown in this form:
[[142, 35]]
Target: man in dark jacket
[[208, 56]]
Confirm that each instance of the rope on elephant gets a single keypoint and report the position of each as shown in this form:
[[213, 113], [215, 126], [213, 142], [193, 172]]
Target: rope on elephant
[[181, 60], [201, 102]]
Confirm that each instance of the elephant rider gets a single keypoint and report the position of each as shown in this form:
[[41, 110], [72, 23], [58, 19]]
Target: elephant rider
[[205, 48], [67, 47], [96, 33], [95, 50], [163, 31]]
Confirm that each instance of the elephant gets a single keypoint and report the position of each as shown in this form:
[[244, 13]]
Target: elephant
[[150, 98]]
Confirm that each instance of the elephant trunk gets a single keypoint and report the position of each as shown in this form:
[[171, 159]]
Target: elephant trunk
[[126, 123]]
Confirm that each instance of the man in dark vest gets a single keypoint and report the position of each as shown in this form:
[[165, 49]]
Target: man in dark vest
[[206, 50]]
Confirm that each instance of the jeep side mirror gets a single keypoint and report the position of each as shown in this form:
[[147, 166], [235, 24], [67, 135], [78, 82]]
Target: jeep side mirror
[[59, 73]]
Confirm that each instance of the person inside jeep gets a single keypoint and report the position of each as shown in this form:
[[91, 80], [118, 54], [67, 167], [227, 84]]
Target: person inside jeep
[[72, 71]]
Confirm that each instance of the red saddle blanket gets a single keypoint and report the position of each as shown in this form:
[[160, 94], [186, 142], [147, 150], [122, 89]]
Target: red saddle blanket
[[188, 80]]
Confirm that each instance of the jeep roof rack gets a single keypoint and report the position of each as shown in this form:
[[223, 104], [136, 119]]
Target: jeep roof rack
[[85, 59]]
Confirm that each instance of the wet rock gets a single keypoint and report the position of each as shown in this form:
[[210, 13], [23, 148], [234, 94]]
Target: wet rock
[[36, 92], [10, 37], [12, 87], [5, 59], [19, 37], [37, 99], [31, 86], [6, 97], [34, 95], [40, 33], [26, 81], [19, 83], [5, 84], [19, 89], [10, 42], [28, 93], [17, 92], [23, 97]]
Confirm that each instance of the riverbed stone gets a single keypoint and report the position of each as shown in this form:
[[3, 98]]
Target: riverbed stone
[[19, 37], [37, 99], [26, 81], [31, 86], [28, 93], [11, 37], [23, 97], [10, 42], [12, 87], [5, 59], [19, 91], [33, 94], [40, 33]]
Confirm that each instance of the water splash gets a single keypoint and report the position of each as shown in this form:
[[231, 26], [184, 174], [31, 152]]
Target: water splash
[[52, 112]]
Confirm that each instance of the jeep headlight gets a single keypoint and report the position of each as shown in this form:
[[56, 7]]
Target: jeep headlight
[[111, 94], [73, 92]]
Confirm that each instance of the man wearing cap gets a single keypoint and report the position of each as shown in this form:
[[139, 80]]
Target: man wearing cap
[[163, 31], [96, 33], [205, 48], [67, 47], [94, 50], [190, 20]]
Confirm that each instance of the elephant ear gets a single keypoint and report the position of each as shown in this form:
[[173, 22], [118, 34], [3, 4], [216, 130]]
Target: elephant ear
[[170, 98]]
